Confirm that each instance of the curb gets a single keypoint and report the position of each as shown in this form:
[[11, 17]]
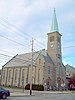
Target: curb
[[21, 95], [16, 94]]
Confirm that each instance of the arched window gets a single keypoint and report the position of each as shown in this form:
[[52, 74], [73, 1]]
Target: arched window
[[3, 75], [27, 75], [9, 75], [15, 74], [39, 61], [48, 69], [23, 72]]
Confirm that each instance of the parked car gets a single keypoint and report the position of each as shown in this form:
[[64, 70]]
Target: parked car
[[4, 93]]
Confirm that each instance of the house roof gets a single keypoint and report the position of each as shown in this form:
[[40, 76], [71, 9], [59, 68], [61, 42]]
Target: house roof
[[26, 59], [70, 68]]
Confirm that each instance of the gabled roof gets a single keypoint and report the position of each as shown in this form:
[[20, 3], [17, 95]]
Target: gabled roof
[[25, 60], [21, 60], [69, 67], [46, 57]]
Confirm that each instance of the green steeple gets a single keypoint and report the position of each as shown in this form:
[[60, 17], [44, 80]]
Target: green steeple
[[54, 26]]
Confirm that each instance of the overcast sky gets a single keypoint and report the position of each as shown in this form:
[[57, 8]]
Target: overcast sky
[[22, 20]]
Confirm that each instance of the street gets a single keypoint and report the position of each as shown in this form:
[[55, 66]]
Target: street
[[45, 96]]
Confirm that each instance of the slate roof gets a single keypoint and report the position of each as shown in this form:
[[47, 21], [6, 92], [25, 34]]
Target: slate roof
[[47, 57], [25, 59]]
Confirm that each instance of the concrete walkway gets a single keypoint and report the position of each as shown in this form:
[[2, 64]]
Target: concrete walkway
[[27, 93], [16, 94]]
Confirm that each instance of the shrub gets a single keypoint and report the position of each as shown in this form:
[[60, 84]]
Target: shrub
[[35, 87]]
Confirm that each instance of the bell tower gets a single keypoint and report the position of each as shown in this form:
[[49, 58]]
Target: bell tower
[[54, 45]]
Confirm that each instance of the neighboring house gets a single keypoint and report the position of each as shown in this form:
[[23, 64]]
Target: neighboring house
[[47, 64], [70, 71]]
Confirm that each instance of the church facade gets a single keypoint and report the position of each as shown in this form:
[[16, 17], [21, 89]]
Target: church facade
[[47, 68]]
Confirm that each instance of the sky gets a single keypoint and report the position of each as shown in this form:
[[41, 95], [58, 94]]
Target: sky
[[22, 20]]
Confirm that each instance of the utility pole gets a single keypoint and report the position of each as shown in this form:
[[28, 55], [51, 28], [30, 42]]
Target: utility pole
[[31, 71]]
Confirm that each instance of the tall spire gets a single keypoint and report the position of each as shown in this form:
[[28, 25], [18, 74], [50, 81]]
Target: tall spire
[[54, 26]]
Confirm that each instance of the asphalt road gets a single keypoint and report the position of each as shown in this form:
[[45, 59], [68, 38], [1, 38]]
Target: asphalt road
[[45, 96]]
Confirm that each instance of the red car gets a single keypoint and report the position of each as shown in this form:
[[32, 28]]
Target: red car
[[4, 93]]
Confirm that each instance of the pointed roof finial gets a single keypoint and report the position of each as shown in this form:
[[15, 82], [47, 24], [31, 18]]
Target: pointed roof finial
[[54, 26]]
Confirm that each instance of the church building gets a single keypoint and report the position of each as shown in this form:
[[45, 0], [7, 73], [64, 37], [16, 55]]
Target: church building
[[47, 68]]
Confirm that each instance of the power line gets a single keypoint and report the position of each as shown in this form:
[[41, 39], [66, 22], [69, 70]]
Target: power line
[[10, 39], [69, 47], [5, 55], [14, 41], [8, 27], [34, 50], [6, 21], [23, 60], [18, 29], [7, 52]]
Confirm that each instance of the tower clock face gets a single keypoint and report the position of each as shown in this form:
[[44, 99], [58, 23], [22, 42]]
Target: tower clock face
[[51, 45]]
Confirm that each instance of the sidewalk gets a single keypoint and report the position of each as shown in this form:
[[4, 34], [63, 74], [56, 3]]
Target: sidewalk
[[27, 93], [19, 93], [16, 94]]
